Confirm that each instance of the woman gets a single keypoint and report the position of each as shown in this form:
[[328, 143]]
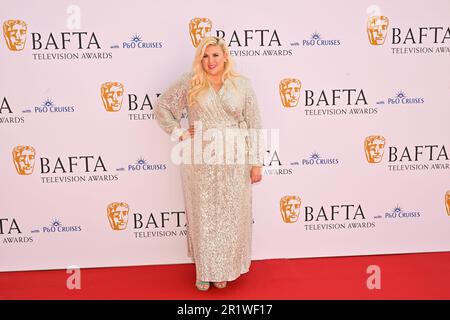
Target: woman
[[217, 191]]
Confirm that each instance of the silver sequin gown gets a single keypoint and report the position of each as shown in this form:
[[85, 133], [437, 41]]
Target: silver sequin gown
[[218, 199]]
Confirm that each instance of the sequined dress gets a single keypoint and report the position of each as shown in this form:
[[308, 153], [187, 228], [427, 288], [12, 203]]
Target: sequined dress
[[217, 194]]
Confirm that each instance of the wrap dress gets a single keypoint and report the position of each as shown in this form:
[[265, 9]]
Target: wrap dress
[[215, 176]]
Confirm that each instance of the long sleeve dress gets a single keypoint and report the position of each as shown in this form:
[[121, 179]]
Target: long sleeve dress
[[217, 194]]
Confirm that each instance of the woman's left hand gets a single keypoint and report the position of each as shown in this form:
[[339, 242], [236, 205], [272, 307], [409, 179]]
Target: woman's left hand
[[256, 174]]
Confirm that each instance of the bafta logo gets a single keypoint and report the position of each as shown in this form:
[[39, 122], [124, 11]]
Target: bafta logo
[[377, 28], [447, 202], [290, 92], [23, 157], [112, 96], [199, 28], [118, 215], [15, 33], [374, 148], [290, 208]]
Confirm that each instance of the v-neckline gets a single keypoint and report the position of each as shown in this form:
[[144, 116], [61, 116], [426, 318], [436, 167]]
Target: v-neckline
[[220, 89]]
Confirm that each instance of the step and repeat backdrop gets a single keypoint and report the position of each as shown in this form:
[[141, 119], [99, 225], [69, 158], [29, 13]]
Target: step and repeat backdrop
[[355, 99]]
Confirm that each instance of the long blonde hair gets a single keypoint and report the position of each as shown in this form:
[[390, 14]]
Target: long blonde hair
[[199, 81]]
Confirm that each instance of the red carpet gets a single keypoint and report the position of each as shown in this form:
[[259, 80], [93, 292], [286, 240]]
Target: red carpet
[[405, 276]]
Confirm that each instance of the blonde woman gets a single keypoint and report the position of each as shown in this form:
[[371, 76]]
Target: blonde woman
[[217, 190]]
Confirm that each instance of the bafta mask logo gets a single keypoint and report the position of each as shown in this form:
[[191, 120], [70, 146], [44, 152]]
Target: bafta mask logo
[[290, 208], [374, 148], [290, 92], [447, 202], [112, 96], [199, 28], [118, 215], [15, 33], [377, 28], [23, 157]]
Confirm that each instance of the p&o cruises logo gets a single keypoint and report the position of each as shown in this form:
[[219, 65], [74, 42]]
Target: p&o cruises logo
[[142, 165], [136, 42], [315, 159], [399, 213], [56, 226], [316, 40], [49, 106], [401, 98]]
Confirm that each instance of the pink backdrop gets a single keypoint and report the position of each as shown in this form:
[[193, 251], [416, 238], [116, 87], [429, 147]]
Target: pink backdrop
[[86, 157]]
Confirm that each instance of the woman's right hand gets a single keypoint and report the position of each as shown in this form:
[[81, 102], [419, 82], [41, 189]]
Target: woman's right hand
[[191, 131], [188, 133]]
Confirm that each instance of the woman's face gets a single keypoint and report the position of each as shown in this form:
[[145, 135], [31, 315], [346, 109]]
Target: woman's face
[[213, 60]]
